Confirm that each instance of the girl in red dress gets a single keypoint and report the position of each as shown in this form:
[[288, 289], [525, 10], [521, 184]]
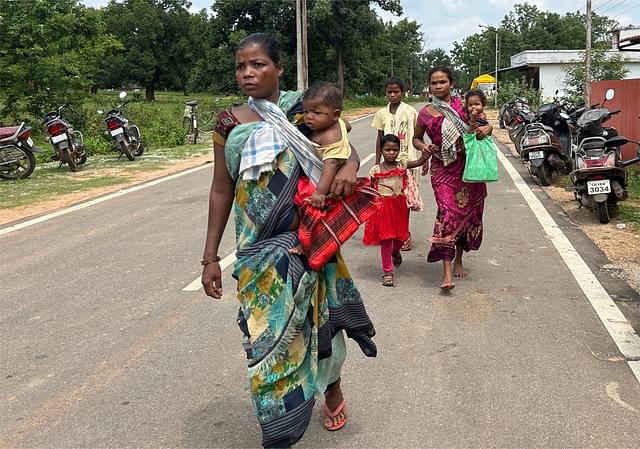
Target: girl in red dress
[[389, 228]]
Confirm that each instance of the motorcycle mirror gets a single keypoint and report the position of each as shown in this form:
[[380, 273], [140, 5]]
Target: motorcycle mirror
[[617, 141], [610, 94], [564, 115], [122, 95], [100, 111]]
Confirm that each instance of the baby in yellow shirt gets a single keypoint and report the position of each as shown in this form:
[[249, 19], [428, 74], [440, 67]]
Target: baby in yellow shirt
[[322, 105]]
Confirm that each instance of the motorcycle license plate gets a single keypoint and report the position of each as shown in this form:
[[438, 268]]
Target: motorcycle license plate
[[536, 155], [117, 131], [59, 138], [600, 186], [30, 141]]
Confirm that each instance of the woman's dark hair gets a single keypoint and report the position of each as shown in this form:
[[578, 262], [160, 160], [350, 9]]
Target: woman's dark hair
[[394, 80], [476, 93], [389, 138], [446, 70], [265, 41], [325, 91]]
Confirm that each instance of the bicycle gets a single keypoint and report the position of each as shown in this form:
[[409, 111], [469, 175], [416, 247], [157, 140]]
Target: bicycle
[[194, 127]]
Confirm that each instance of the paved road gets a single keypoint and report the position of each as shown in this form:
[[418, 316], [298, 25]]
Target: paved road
[[102, 348]]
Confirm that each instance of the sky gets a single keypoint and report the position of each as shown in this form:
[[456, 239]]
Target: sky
[[446, 21]]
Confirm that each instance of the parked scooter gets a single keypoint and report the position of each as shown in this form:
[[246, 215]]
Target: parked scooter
[[546, 143], [126, 138], [16, 152], [600, 178], [67, 143]]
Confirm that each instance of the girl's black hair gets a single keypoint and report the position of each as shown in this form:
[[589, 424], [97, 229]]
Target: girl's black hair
[[476, 93], [265, 41], [394, 80], [446, 70], [389, 138]]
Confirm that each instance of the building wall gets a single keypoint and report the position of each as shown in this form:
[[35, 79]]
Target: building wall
[[552, 77]]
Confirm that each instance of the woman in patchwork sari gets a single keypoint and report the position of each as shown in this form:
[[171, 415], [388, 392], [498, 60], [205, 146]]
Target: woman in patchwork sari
[[458, 225], [292, 318]]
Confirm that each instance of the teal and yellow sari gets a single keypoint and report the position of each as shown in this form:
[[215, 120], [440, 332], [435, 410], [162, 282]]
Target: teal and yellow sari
[[291, 317]]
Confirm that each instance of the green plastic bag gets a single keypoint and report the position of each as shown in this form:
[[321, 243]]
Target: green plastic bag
[[482, 160]]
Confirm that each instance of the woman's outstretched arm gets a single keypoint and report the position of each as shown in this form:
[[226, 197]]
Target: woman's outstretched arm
[[220, 201]]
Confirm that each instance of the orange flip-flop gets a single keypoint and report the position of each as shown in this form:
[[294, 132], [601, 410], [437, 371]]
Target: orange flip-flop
[[330, 422]]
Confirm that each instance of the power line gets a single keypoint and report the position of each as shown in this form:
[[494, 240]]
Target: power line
[[625, 11], [613, 7]]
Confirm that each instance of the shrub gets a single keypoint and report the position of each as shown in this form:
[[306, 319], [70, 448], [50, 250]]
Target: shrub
[[510, 90]]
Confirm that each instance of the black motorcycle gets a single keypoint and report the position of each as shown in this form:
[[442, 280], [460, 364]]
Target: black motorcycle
[[600, 178], [547, 143], [16, 152], [126, 137], [67, 143], [515, 116]]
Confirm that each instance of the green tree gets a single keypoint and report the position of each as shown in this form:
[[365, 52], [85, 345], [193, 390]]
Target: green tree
[[157, 50], [347, 26], [48, 53], [604, 66]]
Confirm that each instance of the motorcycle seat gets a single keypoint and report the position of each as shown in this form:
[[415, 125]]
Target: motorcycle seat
[[592, 145], [8, 131]]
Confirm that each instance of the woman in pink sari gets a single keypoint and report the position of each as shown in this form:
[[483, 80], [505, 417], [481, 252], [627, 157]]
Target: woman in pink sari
[[458, 225]]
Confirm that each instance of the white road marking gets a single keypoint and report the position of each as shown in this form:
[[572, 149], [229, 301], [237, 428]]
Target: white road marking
[[622, 333], [196, 284], [102, 199]]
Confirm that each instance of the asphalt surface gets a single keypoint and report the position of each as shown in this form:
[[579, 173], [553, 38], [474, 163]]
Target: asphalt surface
[[101, 347]]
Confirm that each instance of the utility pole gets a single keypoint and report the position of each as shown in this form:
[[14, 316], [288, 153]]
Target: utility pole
[[587, 63], [497, 59], [301, 45]]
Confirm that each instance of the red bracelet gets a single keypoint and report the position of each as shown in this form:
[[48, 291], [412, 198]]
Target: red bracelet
[[210, 260]]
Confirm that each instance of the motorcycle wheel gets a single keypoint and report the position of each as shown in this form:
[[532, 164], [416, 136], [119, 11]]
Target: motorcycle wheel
[[126, 150], [83, 157], [66, 156], [139, 150], [603, 212], [544, 174], [20, 169]]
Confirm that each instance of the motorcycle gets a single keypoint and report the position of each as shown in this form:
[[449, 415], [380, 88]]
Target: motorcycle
[[16, 152], [515, 116], [547, 143], [67, 143], [600, 178], [126, 138]]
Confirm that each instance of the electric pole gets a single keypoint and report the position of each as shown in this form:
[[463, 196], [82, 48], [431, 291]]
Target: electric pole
[[587, 64], [301, 45]]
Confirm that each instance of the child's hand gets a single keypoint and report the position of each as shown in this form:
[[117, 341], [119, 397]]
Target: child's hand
[[425, 169], [317, 199]]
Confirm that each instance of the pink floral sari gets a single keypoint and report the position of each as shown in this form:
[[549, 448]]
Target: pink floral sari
[[460, 205]]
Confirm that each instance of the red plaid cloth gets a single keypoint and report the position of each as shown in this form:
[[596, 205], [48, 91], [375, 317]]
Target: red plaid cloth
[[322, 232]]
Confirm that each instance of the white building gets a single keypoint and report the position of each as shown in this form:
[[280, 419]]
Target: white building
[[545, 67]]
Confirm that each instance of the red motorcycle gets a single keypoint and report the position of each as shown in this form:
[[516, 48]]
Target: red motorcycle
[[67, 143], [16, 152]]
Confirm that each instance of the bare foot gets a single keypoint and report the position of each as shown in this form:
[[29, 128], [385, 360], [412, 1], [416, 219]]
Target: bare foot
[[447, 276], [458, 270], [296, 250]]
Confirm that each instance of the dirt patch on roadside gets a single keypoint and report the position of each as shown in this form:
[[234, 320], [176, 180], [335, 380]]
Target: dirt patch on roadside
[[621, 246], [52, 204], [361, 113]]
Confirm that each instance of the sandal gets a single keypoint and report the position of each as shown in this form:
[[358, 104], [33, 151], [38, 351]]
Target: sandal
[[387, 280], [397, 259], [335, 420], [407, 245]]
